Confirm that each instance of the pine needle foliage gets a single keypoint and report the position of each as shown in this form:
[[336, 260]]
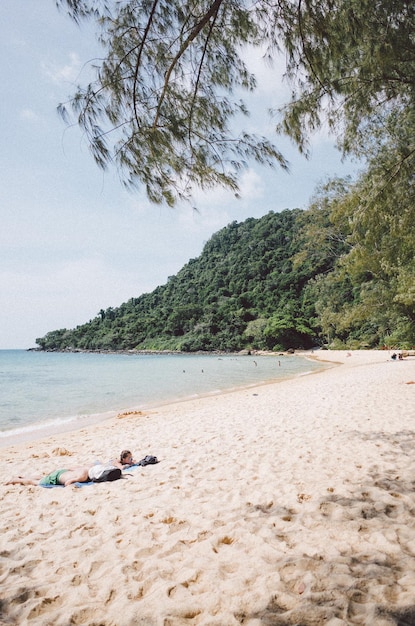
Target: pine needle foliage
[[167, 89], [163, 100]]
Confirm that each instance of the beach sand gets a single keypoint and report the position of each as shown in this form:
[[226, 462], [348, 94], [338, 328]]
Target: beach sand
[[287, 503]]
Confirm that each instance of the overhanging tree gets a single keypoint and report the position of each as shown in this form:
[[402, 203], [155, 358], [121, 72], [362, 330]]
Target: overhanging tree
[[164, 97], [350, 62], [162, 102]]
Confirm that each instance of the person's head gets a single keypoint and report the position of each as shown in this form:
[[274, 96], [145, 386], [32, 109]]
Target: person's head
[[126, 457]]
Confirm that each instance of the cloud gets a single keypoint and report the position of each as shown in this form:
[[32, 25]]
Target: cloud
[[67, 73], [269, 73], [29, 115], [251, 186]]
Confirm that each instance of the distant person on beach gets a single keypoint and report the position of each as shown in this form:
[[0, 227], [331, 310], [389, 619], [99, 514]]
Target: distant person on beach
[[63, 477]]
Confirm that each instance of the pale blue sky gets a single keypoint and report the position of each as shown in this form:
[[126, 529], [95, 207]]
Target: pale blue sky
[[73, 240]]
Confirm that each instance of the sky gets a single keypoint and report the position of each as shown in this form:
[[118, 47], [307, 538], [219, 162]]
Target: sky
[[72, 239]]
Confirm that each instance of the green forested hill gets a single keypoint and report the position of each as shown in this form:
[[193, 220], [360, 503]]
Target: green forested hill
[[341, 273], [243, 291]]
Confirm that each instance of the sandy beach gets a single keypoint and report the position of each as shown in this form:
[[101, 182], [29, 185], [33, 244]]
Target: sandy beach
[[287, 503]]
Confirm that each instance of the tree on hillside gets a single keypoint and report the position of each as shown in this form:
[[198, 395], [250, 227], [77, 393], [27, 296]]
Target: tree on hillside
[[368, 299], [164, 98]]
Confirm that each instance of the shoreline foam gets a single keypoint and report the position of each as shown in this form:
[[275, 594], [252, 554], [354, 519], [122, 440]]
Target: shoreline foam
[[279, 504]]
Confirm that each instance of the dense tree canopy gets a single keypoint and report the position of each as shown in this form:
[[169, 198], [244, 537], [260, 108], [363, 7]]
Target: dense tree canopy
[[165, 93], [243, 291], [378, 214]]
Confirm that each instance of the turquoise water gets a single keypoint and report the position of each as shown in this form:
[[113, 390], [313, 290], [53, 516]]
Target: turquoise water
[[44, 391]]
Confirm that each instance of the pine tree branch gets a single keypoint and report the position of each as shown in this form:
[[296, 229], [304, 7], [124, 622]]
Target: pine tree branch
[[193, 34]]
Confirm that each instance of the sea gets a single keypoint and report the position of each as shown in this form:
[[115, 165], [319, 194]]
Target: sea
[[42, 393]]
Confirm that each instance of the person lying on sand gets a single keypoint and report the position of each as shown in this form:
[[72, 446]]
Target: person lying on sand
[[63, 477], [67, 477]]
